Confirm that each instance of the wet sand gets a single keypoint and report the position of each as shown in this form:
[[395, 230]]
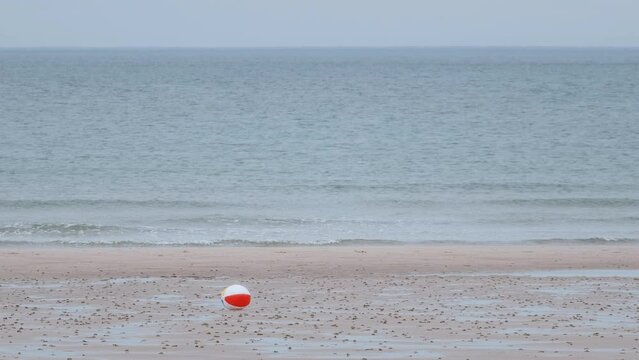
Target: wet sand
[[350, 302]]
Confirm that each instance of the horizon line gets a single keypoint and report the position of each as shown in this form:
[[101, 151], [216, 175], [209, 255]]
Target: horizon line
[[293, 47]]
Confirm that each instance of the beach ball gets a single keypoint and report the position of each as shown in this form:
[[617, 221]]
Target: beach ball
[[236, 297]]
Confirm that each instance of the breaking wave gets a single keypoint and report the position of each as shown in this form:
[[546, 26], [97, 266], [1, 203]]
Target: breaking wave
[[585, 241], [571, 202], [60, 229], [43, 204], [96, 242]]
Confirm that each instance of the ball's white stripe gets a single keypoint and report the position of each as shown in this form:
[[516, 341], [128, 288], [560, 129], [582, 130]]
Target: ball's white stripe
[[235, 289]]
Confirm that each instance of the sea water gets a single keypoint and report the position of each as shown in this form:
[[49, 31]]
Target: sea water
[[316, 146]]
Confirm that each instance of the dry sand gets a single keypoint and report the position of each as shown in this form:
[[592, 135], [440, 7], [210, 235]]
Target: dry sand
[[356, 302]]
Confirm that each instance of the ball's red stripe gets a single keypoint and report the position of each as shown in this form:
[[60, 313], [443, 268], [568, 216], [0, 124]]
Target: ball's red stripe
[[239, 300]]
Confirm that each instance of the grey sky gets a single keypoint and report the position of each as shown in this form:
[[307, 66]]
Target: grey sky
[[319, 23]]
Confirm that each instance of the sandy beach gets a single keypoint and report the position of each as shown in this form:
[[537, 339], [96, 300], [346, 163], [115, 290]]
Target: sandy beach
[[350, 302]]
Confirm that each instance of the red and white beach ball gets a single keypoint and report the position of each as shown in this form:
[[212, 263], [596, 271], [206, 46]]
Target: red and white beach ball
[[236, 297]]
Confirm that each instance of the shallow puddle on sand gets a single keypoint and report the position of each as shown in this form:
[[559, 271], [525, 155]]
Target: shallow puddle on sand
[[590, 273], [166, 298], [398, 291], [564, 291], [351, 346], [595, 273], [476, 302], [33, 285], [126, 280], [486, 344], [530, 330]]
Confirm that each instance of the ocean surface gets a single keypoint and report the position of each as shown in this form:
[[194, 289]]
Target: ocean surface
[[317, 146]]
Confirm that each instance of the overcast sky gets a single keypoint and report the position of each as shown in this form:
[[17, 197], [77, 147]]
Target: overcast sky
[[247, 23]]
